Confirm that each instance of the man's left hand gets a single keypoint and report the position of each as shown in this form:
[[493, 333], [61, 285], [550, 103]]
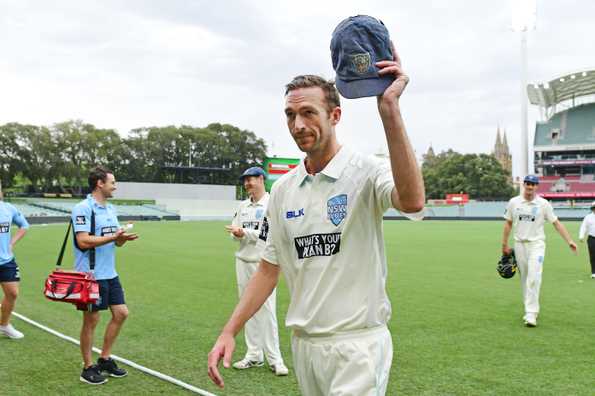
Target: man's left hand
[[123, 237], [395, 90], [237, 232], [573, 247]]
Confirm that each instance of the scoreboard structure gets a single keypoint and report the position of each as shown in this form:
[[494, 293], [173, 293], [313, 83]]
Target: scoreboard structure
[[275, 167]]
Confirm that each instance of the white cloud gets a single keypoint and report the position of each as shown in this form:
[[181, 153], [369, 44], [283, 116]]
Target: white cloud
[[136, 63]]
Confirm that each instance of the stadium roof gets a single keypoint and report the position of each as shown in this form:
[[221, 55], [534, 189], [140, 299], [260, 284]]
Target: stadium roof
[[571, 129], [560, 89]]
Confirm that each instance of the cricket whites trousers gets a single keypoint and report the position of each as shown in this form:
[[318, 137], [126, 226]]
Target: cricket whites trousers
[[529, 257], [354, 363], [260, 332]]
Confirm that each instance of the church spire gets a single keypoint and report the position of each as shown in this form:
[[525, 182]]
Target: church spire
[[505, 147], [429, 156], [430, 152], [502, 152], [498, 144]]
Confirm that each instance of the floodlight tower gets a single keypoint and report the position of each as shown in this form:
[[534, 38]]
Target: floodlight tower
[[523, 19]]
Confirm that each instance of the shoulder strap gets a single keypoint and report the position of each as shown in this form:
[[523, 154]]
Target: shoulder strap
[[91, 251], [61, 255]]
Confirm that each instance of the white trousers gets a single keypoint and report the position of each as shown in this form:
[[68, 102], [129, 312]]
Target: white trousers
[[260, 332], [350, 364], [529, 257]]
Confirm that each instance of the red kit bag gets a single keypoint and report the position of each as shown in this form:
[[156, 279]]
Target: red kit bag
[[79, 288]]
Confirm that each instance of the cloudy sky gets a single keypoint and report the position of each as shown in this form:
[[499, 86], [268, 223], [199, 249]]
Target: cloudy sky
[[126, 64]]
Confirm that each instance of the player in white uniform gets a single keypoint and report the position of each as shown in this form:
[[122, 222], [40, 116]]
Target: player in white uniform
[[588, 230], [260, 332], [324, 232], [527, 213]]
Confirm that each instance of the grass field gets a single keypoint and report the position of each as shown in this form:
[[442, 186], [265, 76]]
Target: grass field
[[456, 325]]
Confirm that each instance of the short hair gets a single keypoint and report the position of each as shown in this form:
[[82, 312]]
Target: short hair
[[96, 174], [310, 80]]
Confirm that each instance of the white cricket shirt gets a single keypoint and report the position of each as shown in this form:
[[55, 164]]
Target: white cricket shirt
[[249, 217], [588, 226], [325, 232], [528, 217]]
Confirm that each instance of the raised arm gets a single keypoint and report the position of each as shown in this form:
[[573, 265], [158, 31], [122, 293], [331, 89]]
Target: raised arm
[[409, 193]]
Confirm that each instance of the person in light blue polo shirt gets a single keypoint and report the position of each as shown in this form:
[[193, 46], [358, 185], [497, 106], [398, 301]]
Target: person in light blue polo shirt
[[100, 241], [9, 270]]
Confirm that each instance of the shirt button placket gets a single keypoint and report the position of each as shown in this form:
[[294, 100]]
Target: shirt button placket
[[318, 197]]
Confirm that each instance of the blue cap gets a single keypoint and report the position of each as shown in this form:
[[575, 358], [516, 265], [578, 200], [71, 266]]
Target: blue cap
[[531, 179], [359, 42], [254, 171]]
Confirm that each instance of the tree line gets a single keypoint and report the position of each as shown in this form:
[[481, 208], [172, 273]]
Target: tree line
[[57, 158], [479, 175]]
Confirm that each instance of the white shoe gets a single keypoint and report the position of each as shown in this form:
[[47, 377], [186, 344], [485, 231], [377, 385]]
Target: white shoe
[[279, 369], [530, 320], [11, 332], [246, 363], [592, 276]]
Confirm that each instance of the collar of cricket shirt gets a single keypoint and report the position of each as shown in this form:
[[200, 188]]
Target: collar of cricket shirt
[[96, 204], [333, 169], [260, 202], [531, 202]]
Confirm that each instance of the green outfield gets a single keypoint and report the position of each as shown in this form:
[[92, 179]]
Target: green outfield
[[456, 325]]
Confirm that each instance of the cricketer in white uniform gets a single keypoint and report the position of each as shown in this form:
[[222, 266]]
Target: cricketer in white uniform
[[527, 213], [260, 332], [588, 230], [323, 230]]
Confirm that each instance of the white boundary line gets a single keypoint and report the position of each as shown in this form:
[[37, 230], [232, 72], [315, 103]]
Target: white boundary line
[[119, 359]]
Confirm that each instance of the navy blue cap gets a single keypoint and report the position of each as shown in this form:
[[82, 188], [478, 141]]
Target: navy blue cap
[[359, 42], [531, 179], [254, 171]]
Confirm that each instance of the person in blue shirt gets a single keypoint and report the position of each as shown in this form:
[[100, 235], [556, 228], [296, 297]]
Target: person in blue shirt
[[9, 270], [103, 240]]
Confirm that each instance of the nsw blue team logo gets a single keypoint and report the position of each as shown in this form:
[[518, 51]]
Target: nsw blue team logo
[[259, 213], [336, 208]]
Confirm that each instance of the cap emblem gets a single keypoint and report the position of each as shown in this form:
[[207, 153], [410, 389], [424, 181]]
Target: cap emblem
[[361, 62]]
